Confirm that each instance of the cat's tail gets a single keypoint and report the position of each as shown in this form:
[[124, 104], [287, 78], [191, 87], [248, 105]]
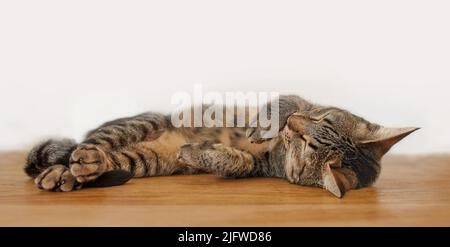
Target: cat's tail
[[47, 153]]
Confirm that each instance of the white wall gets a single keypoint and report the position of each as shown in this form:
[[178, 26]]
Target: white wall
[[66, 66]]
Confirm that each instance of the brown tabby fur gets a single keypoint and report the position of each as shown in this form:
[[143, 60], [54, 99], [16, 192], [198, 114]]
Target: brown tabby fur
[[317, 146]]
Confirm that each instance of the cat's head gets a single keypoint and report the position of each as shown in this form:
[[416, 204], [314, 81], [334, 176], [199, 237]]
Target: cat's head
[[334, 149]]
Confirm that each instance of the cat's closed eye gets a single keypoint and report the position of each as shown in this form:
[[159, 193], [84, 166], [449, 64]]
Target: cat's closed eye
[[313, 146], [328, 121]]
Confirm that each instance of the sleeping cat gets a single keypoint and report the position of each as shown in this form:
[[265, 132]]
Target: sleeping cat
[[318, 146]]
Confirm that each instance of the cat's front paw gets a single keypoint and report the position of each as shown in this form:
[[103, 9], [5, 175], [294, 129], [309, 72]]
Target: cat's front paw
[[260, 135], [57, 178], [88, 162], [254, 135], [203, 155], [190, 154]]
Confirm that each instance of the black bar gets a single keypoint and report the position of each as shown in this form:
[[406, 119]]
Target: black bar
[[226, 236]]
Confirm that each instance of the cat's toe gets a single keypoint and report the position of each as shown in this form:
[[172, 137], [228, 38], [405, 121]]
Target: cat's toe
[[56, 178], [87, 162]]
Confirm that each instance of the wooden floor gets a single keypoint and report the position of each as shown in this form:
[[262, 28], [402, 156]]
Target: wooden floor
[[412, 191]]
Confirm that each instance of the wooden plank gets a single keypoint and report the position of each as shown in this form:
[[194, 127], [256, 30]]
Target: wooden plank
[[412, 191]]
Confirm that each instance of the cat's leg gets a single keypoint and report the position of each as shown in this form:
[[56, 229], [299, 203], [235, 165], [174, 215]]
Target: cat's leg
[[142, 161], [86, 159], [48, 164], [90, 160], [125, 131], [57, 178], [287, 105], [218, 159], [139, 160]]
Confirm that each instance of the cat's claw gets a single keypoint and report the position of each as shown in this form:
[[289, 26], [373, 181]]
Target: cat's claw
[[87, 163], [57, 178]]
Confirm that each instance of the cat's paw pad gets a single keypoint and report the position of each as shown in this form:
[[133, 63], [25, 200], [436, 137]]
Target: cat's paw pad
[[87, 162], [57, 178]]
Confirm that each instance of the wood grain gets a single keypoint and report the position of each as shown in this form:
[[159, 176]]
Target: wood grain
[[412, 191]]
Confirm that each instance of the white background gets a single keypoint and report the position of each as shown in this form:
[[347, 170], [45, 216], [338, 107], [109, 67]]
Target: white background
[[67, 66]]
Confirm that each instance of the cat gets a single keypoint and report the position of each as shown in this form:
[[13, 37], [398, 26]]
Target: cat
[[318, 146]]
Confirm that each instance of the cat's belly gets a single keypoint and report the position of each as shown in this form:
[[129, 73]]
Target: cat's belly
[[169, 143]]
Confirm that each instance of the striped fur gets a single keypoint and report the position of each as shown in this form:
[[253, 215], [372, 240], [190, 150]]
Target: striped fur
[[48, 153], [317, 146]]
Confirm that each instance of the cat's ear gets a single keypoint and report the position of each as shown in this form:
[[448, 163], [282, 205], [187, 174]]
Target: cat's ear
[[383, 139], [337, 179]]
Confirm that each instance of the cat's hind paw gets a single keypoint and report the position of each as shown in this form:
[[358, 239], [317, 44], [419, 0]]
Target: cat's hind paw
[[57, 178], [88, 162]]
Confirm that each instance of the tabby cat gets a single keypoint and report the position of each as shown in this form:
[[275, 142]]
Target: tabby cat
[[318, 146]]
